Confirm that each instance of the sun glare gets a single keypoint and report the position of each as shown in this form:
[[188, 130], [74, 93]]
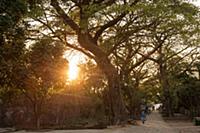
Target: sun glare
[[74, 59], [73, 71]]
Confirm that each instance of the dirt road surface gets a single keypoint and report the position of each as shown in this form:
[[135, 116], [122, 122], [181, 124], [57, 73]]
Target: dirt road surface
[[154, 124]]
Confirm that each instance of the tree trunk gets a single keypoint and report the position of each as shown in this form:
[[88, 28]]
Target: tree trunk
[[36, 115], [38, 122], [2, 116], [167, 100], [117, 107]]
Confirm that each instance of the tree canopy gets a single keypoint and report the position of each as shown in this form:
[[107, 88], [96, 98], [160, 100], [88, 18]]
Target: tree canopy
[[138, 52]]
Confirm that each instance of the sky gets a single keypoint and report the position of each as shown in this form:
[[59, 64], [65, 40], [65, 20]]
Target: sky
[[196, 2]]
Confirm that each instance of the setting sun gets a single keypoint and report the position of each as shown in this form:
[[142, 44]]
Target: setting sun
[[74, 59], [73, 71]]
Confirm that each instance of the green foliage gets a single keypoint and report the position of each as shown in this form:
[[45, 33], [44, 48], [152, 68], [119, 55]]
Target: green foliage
[[44, 74], [12, 51], [38, 71], [12, 38], [46, 67], [151, 91], [36, 12], [189, 93], [94, 83], [11, 13]]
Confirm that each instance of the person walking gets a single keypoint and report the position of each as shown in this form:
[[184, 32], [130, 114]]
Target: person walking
[[143, 116]]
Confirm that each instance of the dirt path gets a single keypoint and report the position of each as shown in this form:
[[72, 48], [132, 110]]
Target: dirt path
[[154, 124], [183, 125]]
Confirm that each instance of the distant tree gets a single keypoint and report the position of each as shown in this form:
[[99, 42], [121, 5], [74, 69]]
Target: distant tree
[[188, 94], [45, 73], [178, 37]]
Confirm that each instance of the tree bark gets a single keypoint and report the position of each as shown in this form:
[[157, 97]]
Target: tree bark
[[36, 115], [117, 107], [2, 115], [167, 100]]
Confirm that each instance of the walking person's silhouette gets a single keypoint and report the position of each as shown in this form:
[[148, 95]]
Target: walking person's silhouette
[[143, 116]]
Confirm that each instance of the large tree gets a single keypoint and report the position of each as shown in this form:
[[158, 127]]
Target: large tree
[[90, 24]]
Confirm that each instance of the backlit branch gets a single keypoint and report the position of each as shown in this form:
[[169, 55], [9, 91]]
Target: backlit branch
[[109, 24], [145, 57], [67, 20], [182, 58], [112, 22], [79, 49]]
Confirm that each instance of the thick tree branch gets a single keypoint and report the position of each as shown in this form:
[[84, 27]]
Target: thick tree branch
[[182, 58], [105, 2], [150, 58], [108, 2], [65, 41], [189, 66], [112, 22], [145, 57], [129, 57], [67, 20], [121, 40], [109, 24], [79, 49], [177, 53]]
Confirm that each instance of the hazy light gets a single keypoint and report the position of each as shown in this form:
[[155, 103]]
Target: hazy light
[[74, 58], [195, 2], [73, 69]]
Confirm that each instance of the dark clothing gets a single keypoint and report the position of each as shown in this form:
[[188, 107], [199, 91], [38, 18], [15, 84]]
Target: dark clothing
[[143, 117]]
